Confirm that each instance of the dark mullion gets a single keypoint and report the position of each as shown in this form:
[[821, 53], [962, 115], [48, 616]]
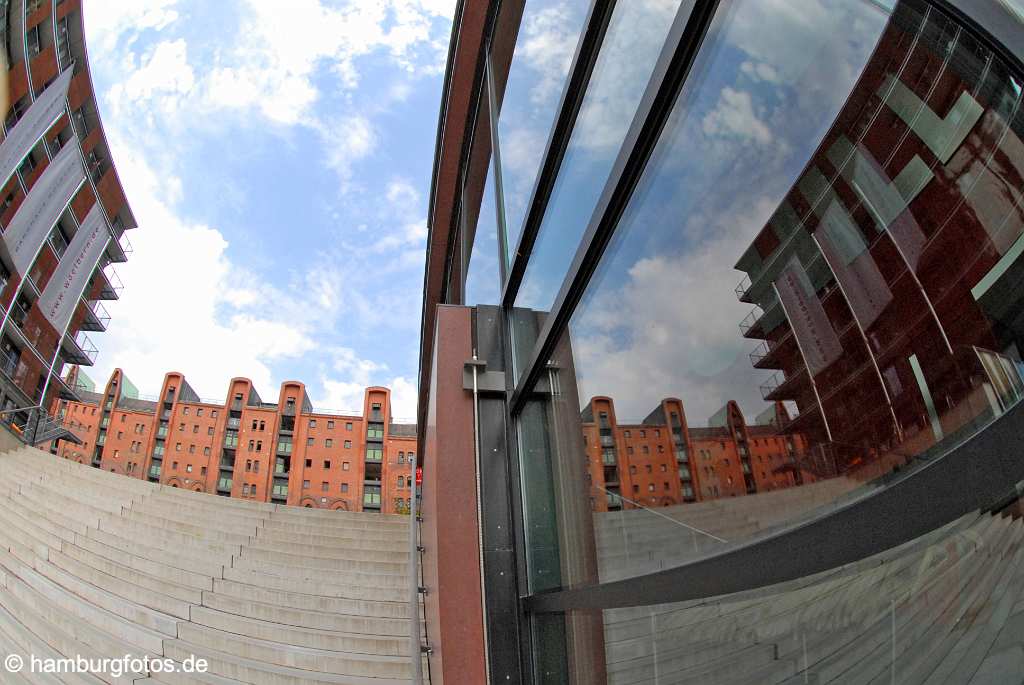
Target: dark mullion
[[673, 66], [495, 164], [575, 89]]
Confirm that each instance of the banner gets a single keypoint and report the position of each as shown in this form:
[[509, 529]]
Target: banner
[[814, 333], [40, 116], [42, 208], [64, 289]]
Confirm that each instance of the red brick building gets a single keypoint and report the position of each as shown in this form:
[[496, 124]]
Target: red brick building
[[661, 460], [283, 451], [63, 212]]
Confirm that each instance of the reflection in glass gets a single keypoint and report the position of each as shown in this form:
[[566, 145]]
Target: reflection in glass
[[483, 278], [548, 33], [632, 43], [865, 194]]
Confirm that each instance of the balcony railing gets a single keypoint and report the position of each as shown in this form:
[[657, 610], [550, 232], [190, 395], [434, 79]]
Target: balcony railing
[[234, 422], [110, 284], [96, 316], [284, 448], [79, 350]]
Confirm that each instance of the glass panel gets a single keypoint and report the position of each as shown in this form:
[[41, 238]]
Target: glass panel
[[483, 280], [867, 195], [632, 43], [544, 47]]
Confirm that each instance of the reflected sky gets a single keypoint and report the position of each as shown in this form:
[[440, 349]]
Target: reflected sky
[[632, 43], [483, 280], [660, 316], [547, 39]]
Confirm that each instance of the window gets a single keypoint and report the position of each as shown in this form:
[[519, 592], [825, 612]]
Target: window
[[248, 464], [263, 425], [344, 466], [375, 406], [324, 486], [328, 443], [195, 428], [348, 426], [650, 487], [181, 427], [209, 431], [256, 466], [199, 411], [401, 457], [32, 36], [188, 468], [648, 467], [120, 435], [309, 442], [401, 481], [259, 445], [177, 447], [330, 425], [327, 463], [245, 489], [254, 424], [348, 444], [252, 443], [374, 454], [202, 470], [664, 468], [344, 487], [412, 457], [192, 449], [206, 452], [312, 423], [174, 466], [305, 484], [213, 413], [309, 463], [184, 411]]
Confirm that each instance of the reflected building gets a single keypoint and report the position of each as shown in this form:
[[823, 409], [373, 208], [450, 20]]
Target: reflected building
[[619, 484], [661, 461]]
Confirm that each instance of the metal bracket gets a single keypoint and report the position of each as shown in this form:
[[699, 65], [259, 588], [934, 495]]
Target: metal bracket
[[486, 381], [423, 590], [426, 649]]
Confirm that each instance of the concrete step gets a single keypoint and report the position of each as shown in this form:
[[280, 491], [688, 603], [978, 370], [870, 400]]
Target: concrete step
[[364, 586], [305, 658], [365, 574], [396, 561], [155, 568], [363, 624]]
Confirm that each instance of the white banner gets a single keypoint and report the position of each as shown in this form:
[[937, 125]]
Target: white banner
[[65, 287], [42, 208], [814, 333], [40, 116]]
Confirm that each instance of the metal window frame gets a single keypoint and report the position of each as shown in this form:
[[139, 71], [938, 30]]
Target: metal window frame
[[824, 543], [573, 93], [678, 54]]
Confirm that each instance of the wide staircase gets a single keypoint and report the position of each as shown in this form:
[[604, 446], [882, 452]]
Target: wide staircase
[[947, 608], [98, 565]]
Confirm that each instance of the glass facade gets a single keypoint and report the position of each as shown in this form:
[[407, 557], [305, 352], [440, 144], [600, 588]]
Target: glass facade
[[812, 282]]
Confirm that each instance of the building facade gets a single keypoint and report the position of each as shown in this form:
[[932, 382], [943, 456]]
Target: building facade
[[62, 209], [661, 461], [857, 168], [283, 452]]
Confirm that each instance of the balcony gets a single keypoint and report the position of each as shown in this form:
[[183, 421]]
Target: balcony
[[96, 317], [289, 409], [224, 484], [118, 250], [607, 441], [234, 423], [79, 350], [161, 432], [779, 387], [284, 448], [110, 285]]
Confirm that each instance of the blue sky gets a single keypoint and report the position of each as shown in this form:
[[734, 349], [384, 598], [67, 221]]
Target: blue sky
[[277, 157]]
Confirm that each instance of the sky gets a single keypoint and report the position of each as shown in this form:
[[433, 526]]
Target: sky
[[277, 157]]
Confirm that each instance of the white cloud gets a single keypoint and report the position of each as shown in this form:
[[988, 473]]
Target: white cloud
[[734, 116], [185, 306], [358, 373]]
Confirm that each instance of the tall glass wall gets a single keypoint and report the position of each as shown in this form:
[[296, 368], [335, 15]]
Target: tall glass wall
[[816, 283]]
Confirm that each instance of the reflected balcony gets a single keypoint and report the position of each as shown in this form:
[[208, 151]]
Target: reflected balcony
[[96, 316], [781, 387], [79, 350]]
